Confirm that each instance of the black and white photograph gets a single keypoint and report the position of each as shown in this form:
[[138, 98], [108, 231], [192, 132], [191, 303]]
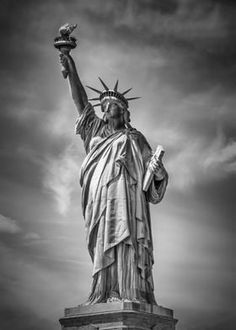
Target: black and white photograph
[[117, 164]]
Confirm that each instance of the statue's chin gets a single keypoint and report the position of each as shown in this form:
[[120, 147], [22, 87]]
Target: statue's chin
[[116, 123]]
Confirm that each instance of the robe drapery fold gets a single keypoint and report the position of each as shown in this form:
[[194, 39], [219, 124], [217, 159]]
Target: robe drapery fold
[[116, 210]]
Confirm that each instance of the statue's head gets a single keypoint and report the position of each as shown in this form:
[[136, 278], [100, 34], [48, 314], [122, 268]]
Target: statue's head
[[115, 110], [112, 102]]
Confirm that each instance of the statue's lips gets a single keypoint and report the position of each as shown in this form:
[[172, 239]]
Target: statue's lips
[[115, 114]]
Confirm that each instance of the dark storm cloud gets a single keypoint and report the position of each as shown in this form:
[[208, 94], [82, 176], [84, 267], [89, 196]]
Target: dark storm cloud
[[197, 37], [24, 62], [24, 320], [26, 100], [25, 272], [24, 149]]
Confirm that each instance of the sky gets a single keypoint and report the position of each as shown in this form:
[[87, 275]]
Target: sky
[[179, 57]]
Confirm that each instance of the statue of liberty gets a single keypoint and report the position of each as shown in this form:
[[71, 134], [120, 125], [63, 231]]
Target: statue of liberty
[[115, 205]]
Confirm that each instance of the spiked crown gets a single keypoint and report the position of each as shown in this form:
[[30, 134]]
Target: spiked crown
[[111, 95]]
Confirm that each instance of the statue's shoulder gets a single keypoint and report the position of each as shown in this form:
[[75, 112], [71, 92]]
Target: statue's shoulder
[[137, 133], [142, 141]]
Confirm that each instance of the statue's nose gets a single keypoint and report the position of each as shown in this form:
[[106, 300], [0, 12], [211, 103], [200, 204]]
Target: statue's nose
[[115, 111]]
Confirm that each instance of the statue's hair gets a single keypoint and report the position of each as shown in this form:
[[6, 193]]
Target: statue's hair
[[127, 116]]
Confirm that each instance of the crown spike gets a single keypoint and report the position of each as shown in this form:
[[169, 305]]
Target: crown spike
[[133, 98], [110, 95], [116, 85], [104, 85], [95, 90], [126, 91]]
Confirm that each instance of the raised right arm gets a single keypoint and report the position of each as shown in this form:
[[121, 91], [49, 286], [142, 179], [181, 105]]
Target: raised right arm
[[77, 90]]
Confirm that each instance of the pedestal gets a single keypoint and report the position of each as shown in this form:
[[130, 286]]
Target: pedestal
[[118, 315]]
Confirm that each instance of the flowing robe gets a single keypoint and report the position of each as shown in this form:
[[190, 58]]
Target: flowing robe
[[116, 210]]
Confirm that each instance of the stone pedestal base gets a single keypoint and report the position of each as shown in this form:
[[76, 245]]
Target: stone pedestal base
[[118, 315]]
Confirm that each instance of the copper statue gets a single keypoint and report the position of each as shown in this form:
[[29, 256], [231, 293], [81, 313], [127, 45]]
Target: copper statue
[[115, 205]]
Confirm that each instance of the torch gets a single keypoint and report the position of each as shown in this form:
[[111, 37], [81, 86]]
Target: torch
[[64, 43]]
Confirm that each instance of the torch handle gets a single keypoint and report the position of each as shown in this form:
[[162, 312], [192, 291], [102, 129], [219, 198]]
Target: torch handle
[[64, 72]]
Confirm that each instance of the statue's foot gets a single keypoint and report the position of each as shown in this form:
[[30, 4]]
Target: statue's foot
[[135, 300], [114, 297]]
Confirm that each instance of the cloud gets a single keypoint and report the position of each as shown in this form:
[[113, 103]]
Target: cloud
[[31, 236], [201, 160], [60, 177], [8, 225], [172, 21], [60, 121], [188, 36], [24, 319], [220, 158], [60, 169], [26, 277], [197, 132]]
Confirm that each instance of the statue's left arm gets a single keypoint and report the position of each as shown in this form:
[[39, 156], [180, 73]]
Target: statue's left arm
[[158, 184]]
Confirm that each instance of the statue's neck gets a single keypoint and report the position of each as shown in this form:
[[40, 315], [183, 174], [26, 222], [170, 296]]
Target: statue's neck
[[116, 124]]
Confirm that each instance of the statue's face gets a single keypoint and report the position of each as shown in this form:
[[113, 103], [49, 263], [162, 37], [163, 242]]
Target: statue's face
[[114, 111]]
